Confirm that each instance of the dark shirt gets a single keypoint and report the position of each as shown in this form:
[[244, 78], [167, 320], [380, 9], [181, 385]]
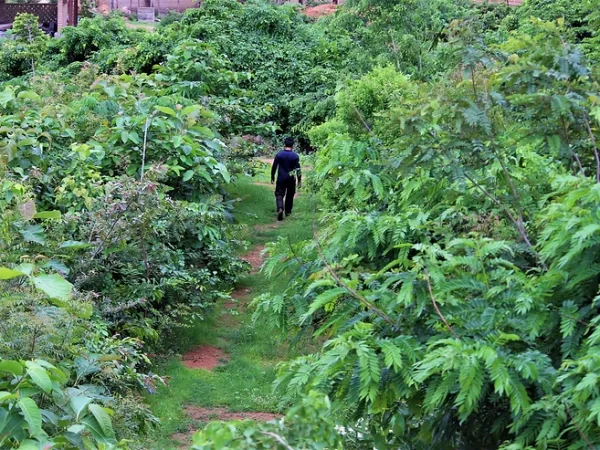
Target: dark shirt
[[286, 161]]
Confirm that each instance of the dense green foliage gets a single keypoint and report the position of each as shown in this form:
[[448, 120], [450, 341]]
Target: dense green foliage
[[452, 282], [112, 206], [454, 273]]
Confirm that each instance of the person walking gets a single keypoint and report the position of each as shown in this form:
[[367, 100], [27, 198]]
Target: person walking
[[287, 166]]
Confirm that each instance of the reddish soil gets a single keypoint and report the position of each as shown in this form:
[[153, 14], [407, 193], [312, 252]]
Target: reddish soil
[[209, 414], [509, 2], [241, 293], [321, 10], [204, 357], [237, 295], [254, 258], [269, 226]]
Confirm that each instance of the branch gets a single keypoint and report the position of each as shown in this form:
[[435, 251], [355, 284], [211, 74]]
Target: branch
[[581, 433], [362, 119], [512, 187], [594, 146], [148, 120], [278, 439], [294, 251], [114, 224], [339, 281], [512, 218], [437, 309], [575, 155]]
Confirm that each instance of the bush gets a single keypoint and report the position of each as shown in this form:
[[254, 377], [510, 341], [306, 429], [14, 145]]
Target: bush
[[169, 18], [22, 51]]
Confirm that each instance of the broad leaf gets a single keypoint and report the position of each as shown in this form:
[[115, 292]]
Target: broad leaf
[[32, 415], [103, 420], [33, 233], [48, 215], [7, 274], [5, 395], [191, 109], [54, 286], [78, 404], [29, 95], [166, 110], [14, 367], [39, 376], [74, 245]]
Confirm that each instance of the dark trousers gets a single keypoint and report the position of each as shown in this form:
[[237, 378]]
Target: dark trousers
[[287, 189]]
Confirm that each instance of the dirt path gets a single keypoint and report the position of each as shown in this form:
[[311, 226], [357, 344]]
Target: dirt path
[[209, 358]]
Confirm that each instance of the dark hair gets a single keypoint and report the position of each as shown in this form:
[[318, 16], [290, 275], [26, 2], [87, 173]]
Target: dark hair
[[288, 142]]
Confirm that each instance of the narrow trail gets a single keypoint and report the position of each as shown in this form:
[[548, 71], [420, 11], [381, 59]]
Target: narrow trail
[[228, 366], [207, 357]]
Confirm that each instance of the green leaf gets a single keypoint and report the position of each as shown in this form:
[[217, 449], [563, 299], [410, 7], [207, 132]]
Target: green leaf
[[27, 142], [72, 435], [188, 175], [48, 215], [30, 445], [59, 266], [39, 376], [324, 298], [79, 403], [5, 395], [204, 174], [54, 286], [29, 95], [177, 141], [14, 367], [7, 274], [91, 424], [166, 110], [191, 109], [205, 131], [133, 137], [32, 415], [74, 245], [33, 233], [103, 420], [6, 96], [26, 268]]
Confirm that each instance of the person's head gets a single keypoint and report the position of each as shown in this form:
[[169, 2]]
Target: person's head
[[288, 142]]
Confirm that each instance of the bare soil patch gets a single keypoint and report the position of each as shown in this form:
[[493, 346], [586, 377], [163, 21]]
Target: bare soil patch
[[204, 357], [209, 414], [506, 2], [269, 226], [321, 10], [237, 296], [241, 293], [254, 258]]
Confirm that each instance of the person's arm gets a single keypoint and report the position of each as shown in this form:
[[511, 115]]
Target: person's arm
[[299, 173], [274, 169]]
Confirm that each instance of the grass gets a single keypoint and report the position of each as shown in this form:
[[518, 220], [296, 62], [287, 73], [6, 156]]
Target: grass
[[148, 26], [245, 382]]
